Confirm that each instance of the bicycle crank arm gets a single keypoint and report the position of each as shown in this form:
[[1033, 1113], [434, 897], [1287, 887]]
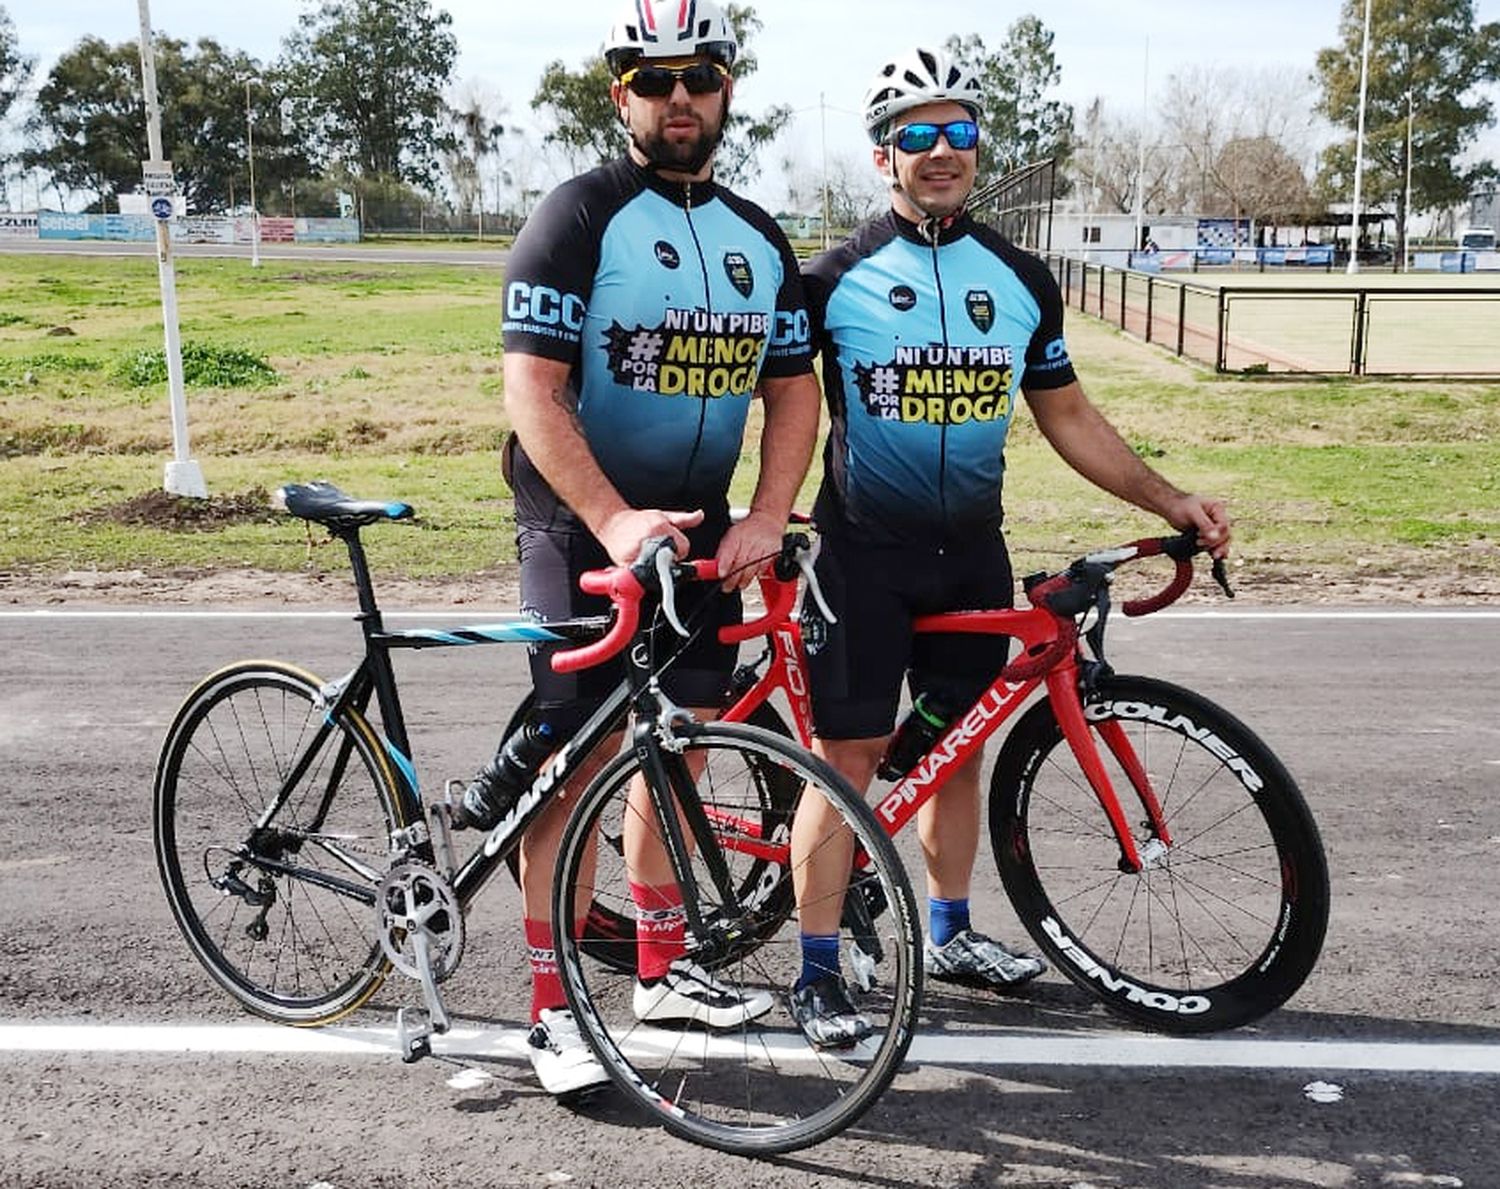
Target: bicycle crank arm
[[415, 1027]]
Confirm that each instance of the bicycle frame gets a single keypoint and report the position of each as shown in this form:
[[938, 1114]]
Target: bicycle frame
[[1043, 635], [374, 677]]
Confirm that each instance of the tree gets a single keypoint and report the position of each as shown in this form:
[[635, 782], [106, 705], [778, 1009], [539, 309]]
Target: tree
[[1020, 124], [366, 80], [15, 68], [15, 72], [1427, 62], [477, 122], [587, 127], [89, 122]]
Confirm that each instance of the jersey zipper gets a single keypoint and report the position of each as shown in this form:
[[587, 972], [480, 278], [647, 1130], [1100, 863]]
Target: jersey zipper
[[932, 235], [708, 305]]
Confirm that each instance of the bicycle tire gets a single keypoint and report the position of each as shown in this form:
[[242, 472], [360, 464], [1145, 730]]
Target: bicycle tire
[[760, 1088], [287, 948], [1218, 929], [606, 931]]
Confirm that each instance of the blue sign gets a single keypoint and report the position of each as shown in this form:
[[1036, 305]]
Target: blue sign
[[161, 208]]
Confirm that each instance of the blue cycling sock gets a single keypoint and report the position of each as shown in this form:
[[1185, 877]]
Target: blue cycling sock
[[946, 918], [820, 957]]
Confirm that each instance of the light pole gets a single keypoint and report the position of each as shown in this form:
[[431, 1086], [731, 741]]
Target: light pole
[[254, 207], [183, 476], [1359, 145], [1406, 208]]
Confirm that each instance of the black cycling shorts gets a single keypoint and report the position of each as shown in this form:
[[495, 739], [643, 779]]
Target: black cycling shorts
[[856, 665], [551, 562]]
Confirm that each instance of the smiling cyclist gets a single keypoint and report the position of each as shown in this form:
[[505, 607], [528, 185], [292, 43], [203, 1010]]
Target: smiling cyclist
[[930, 326]]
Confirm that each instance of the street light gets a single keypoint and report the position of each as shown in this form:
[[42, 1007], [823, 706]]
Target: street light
[[1359, 145]]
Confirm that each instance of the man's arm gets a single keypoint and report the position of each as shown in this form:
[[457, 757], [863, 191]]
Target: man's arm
[[793, 405], [539, 403], [1094, 448]]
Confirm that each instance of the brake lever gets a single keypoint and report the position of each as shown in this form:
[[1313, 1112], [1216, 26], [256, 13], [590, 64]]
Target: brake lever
[[804, 563], [665, 562], [1221, 576]]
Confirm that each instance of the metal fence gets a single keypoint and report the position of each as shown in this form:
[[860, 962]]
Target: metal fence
[[1419, 329]]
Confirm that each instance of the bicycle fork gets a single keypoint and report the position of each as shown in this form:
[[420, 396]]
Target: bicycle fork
[[1067, 705]]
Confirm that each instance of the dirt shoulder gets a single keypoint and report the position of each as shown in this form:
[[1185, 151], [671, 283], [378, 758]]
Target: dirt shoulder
[[497, 590]]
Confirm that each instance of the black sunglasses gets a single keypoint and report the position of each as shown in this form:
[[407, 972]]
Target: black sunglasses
[[657, 82], [919, 138]]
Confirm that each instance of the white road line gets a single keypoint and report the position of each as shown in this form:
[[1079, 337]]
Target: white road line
[[959, 1049], [456, 615]]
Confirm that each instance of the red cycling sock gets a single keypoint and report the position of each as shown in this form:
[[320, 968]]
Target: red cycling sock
[[546, 986], [659, 921]]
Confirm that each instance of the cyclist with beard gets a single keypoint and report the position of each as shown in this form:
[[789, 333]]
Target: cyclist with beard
[[644, 306], [930, 325]]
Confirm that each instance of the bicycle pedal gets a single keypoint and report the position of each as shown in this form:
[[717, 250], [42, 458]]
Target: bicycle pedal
[[414, 1029]]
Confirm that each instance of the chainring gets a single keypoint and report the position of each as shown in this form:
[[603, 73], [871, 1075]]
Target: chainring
[[414, 899]]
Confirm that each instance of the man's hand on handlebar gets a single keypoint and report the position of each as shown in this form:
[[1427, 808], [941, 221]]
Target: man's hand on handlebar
[[747, 545], [1209, 516], [622, 533]]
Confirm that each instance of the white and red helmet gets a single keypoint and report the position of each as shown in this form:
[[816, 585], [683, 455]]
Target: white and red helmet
[[917, 77], [669, 29]]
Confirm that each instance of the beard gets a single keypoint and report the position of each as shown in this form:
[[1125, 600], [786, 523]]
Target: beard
[[679, 155]]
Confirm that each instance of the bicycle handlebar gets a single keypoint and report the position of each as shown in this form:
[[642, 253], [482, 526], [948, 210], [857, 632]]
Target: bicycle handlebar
[[656, 570], [1074, 590]]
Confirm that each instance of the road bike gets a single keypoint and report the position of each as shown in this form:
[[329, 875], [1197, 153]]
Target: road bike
[[1156, 850], [302, 862]]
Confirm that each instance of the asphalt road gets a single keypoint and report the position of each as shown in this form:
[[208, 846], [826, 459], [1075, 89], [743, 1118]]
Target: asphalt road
[[1387, 721]]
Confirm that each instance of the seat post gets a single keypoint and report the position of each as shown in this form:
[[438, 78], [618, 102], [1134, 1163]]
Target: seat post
[[369, 613]]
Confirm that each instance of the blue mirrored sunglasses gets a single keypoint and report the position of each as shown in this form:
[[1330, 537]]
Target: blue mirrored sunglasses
[[919, 138]]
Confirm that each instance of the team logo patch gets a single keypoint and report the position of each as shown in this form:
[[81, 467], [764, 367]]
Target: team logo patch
[[814, 628], [981, 308], [737, 269], [667, 254], [903, 297]]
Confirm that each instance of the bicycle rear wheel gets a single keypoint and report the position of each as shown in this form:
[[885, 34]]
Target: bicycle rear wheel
[[1222, 925], [274, 888], [759, 1088]]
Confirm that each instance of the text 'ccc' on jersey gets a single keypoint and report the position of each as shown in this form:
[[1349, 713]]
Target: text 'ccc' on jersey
[[926, 348], [669, 301]]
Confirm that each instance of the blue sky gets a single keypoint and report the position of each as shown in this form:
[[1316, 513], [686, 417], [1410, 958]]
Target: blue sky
[[809, 50]]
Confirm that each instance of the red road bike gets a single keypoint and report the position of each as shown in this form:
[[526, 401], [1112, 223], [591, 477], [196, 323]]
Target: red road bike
[[1154, 847]]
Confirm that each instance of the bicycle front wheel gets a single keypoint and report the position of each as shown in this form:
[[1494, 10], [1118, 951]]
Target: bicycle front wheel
[[1226, 918], [272, 879], [759, 1087]]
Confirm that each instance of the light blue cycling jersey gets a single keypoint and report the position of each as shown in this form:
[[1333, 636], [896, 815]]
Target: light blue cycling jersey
[[926, 348], [669, 301]]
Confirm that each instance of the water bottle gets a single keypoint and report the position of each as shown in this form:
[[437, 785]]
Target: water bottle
[[922, 727], [495, 790]]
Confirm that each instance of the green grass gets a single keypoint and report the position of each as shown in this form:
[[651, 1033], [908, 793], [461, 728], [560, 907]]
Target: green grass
[[386, 379]]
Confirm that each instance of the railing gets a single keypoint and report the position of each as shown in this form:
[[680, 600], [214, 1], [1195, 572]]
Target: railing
[[1386, 329]]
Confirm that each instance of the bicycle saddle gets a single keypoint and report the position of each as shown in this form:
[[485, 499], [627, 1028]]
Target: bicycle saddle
[[324, 503]]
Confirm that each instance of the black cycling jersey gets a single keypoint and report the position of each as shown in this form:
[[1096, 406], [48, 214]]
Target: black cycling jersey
[[669, 300], [926, 347]]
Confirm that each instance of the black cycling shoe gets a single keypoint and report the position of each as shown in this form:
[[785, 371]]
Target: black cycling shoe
[[826, 1015]]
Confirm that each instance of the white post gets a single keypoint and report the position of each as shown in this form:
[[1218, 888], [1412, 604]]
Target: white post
[[1359, 145], [183, 476], [254, 206], [823, 116], [1140, 172]]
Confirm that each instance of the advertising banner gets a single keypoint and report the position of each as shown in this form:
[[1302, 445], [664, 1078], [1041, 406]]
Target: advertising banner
[[18, 224]]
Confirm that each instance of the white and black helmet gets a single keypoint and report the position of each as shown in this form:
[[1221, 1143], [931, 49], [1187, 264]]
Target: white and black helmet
[[914, 78], [669, 29]]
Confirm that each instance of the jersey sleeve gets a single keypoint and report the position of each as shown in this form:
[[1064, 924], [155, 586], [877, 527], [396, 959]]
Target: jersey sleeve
[[790, 350], [1047, 362], [549, 278]]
